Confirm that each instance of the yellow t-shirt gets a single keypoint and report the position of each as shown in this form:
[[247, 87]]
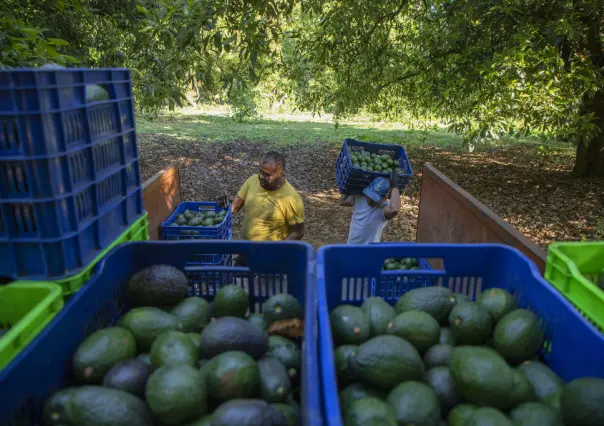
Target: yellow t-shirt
[[269, 214]]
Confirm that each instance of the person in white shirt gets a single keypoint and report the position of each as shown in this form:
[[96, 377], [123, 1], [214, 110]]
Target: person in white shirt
[[372, 210]]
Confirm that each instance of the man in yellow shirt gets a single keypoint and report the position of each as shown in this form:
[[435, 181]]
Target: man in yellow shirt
[[274, 210]]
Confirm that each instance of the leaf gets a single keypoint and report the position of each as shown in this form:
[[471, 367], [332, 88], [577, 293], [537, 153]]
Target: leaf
[[58, 41]]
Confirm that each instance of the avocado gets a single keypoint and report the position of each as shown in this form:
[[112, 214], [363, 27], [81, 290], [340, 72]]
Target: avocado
[[418, 328], [258, 320], [280, 307], [459, 415], [231, 301], [369, 411], [210, 213], [436, 301], [438, 355], [344, 355], [274, 380], [379, 313], [582, 402], [100, 351], [518, 336], [415, 403], [545, 382], [535, 413], [195, 221], [353, 392], [95, 406], [146, 324], [146, 358], [385, 361], [193, 312], [181, 221], [470, 323], [176, 394], [202, 421], [482, 376], [553, 400], [129, 376], [188, 214], [248, 412], [349, 325], [522, 390], [232, 375], [286, 351], [488, 416], [441, 380], [208, 222], [196, 340], [498, 302], [158, 285], [233, 334], [291, 413], [173, 347], [446, 336]]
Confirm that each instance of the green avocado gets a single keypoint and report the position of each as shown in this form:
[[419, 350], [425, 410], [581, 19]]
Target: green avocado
[[582, 402], [535, 413], [385, 361], [258, 320], [291, 413], [446, 336], [172, 348], [349, 325], [518, 336], [231, 301], [522, 390], [470, 323], [369, 411], [344, 355], [281, 307], [417, 327], [441, 380], [233, 375], [415, 403], [275, 384], [436, 301], [488, 416], [354, 392], [482, 376], [460, 415], [100, 351], [438, 355], [129, 376], [95, 406], [498, 302], [379, 313], [230, 333], [248, 412], [147, 323], [545, 382], [176, 394], [193, 312], [286, 351], [158, 285]]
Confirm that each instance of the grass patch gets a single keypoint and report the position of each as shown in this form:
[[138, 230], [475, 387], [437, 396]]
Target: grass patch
[[214, 125]]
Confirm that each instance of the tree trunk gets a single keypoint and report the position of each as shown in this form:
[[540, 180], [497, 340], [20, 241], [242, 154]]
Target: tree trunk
[[589, 160]]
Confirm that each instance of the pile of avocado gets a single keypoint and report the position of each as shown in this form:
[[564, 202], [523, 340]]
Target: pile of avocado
[[174, 360], [372, 162], [437, 358], [406, 263], [199, 218]]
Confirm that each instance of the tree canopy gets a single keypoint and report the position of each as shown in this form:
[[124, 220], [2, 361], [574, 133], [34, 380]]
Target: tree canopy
[[486, 67]]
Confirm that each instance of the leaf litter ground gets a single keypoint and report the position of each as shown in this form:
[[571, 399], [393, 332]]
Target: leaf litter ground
[[532, 192]]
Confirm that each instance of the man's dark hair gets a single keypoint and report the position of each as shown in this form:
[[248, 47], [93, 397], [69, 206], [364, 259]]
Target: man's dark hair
[[274, 157]]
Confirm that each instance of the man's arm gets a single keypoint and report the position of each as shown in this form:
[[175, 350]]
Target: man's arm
[[395, 204], [296, 232], [395, 198], [237, 205], [346, 200]]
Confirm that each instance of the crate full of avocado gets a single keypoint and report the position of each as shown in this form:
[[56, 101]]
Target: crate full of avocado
[[437, 357], [361, 162], [198, 220], [171, 359]]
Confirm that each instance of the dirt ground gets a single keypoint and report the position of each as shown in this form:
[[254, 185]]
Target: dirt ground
[[529, 188]]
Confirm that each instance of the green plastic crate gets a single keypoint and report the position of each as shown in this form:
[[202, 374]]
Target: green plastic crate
[[574, 268], [139, 231], [26, 307]]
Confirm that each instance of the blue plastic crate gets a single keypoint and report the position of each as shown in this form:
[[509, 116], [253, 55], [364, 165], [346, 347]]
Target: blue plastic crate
[[222, 231], [352, 180], [70, 170], [572, 346], [45, 365]]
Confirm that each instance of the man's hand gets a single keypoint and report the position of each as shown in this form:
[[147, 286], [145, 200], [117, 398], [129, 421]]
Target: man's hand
[[223, 201], [394, 180]]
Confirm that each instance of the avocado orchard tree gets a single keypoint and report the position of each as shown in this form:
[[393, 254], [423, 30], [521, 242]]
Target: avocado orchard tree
[[171, 45], [488, 67]]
